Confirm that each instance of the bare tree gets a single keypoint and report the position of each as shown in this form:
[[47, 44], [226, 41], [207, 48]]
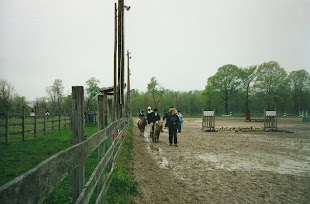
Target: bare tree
[[92, 90], [155, 90], [247, 76], [55, 93], [7, 94]]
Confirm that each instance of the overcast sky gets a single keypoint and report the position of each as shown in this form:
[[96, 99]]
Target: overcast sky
[[180, 42]]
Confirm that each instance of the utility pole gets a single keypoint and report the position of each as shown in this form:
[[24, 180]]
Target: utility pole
[[128, 83], [120, 56], [115, 89], [123, 62]]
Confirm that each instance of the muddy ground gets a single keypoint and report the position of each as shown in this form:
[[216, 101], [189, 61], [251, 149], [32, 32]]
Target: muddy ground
[[226, 166]]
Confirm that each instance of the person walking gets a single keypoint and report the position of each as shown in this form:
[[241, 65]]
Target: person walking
[[180, 120], [173, 121]]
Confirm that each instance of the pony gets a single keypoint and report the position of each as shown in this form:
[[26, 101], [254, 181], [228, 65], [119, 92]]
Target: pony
[[141, 125], [157, 129]]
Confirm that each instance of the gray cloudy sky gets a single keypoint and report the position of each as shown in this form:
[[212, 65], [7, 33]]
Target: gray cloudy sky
[[180, 42]]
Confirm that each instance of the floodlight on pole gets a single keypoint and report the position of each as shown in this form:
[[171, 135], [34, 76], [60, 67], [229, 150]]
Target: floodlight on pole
[[127, 7]]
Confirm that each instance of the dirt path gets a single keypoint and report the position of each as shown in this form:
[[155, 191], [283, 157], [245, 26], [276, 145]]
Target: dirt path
[[226, 166]]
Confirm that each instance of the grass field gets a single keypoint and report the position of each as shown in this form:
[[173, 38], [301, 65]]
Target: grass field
[[19, 157]]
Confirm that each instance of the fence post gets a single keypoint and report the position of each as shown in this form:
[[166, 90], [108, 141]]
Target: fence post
[[101, 125], [44, 124], [59, 120], [100, 112], [77, 137], [35, 121], [65, 125], [23, 124], [53, 122], [7, 127], [105, 110]]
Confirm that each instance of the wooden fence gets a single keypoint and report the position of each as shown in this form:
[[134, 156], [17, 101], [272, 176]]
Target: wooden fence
[[35, 185], [14, 125]]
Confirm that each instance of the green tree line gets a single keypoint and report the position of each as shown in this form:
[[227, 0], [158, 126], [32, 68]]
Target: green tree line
[[231, 89], [234, 89], [55, 101]]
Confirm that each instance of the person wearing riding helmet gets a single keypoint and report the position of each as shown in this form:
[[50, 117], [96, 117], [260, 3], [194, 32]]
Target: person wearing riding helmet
[[141, 115], [156, 115], [150, 115]]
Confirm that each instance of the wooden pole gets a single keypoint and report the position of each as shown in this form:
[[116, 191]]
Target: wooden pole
[[77, 137], [123, 61], [23, 124], [59, 120], [44, 125], [7, 126], [65, 125], [35, 121], [119, 39], [101, 126], [128, 83], [53, 122], [115, 93], [100, 112], [105, 110]]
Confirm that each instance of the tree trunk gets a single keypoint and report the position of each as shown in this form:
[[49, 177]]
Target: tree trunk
[[247, 99], [226, 105]]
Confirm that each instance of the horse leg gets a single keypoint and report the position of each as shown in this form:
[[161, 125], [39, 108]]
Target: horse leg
[[142, 132], [152, 136]]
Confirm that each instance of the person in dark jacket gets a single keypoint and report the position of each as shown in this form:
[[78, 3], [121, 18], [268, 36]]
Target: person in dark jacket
[[156, 118], [173, 122], [141, 114], [156, 115], [166, 115], [150, 115]]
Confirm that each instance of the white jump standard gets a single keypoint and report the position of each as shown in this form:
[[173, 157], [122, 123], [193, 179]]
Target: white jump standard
[[270, 121], [208, 121]]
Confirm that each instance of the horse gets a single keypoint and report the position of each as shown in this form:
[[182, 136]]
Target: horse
[[141, 125], [157, 129]]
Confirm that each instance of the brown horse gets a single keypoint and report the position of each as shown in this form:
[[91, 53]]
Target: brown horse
[[157, 129], [141, 125]]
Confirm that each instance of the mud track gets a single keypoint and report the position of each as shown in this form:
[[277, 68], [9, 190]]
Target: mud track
[[226, 166]]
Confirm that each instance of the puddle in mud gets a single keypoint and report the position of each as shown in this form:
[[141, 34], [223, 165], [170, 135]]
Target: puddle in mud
[[164, 163], [275, 163]]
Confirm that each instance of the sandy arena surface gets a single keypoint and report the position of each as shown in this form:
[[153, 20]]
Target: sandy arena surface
[[226, 166]]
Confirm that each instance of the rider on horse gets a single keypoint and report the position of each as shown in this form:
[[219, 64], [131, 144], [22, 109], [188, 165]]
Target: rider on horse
[[141, 115]]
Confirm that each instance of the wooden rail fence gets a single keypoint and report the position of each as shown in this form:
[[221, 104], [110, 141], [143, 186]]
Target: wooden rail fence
[[35, 185], [14, 125]]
